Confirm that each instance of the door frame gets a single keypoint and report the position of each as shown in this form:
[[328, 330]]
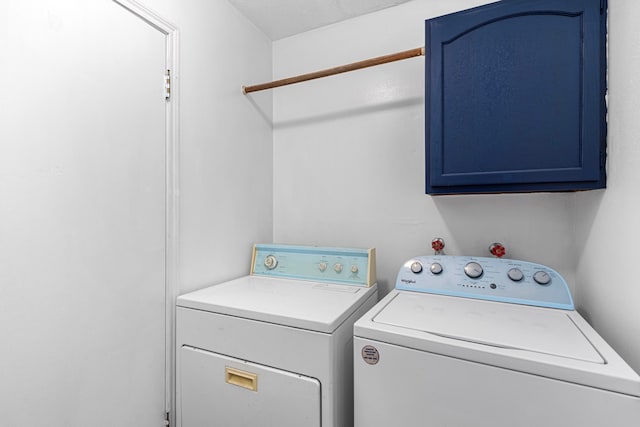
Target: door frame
[[172, 136]]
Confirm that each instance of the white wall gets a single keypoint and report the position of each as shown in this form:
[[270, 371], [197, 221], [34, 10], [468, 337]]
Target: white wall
[[349, 156], [226, 141], [226, 137], [608, 224]]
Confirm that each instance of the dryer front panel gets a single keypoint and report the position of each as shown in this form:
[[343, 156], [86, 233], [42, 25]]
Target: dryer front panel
[[224, 391]]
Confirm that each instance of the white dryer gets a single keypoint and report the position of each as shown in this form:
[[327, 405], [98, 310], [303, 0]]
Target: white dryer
[[274, 348], [473, 342]]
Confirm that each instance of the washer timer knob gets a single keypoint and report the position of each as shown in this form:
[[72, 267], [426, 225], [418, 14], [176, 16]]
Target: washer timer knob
[[436, 268], [322, 266], [515, 274], [416, 267], [354, 269], [270, 262], [542, 277], [337, 268], [473, 270]]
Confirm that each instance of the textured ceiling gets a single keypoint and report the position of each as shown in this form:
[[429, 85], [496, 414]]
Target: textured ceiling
[[283, 18]]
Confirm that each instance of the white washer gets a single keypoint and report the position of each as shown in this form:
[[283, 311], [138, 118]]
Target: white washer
[[274, 348], [477, 342]]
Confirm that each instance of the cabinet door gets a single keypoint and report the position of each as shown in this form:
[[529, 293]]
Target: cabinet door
[[515, 97]]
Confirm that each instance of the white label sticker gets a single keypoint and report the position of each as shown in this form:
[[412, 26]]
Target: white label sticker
[[370, 354]]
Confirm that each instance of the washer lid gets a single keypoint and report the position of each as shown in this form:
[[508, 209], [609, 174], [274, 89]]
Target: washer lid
[[545, 331], [308, 305]]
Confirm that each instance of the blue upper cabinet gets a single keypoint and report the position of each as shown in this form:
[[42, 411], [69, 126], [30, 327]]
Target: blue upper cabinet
[[515, 97]]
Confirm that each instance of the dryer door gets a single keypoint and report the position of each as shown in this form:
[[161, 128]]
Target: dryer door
[[224, 391]]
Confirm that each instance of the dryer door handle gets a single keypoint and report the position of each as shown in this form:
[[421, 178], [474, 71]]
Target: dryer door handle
[[240, 378]]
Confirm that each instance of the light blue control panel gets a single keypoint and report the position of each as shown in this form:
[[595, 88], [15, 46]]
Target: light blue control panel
[[493, 279], [321, 264]]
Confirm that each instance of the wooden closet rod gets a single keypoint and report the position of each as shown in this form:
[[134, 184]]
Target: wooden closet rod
[[337, 70]]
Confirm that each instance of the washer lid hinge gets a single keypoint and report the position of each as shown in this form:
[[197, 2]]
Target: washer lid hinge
[[167, 419]]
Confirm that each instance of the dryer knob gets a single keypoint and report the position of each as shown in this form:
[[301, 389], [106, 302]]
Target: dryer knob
[[337, 268], [416, 267], [270, 262]]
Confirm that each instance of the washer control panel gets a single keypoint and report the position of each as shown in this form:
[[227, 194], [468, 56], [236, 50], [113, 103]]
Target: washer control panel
[[493, 279], [322, 264]]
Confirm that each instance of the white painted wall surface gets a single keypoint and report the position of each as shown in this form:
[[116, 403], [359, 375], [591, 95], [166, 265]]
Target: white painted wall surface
[[349, 156], [608, 222], [226, 140]]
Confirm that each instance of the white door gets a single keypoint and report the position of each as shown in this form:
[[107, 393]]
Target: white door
[[82, 216]]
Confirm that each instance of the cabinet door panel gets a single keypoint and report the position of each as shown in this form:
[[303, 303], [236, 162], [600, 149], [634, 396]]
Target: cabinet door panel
[[515, 97]]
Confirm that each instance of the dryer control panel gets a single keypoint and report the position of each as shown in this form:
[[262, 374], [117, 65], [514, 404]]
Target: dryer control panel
[[493, 279], [322, 264]]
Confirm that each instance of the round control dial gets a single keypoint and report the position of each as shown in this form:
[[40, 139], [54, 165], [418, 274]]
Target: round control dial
[[270, 262], [473, 270], [337, 268], [436, 268], [322, 266], [354, 269], [515, 274], [542, 277], [416, 267]]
